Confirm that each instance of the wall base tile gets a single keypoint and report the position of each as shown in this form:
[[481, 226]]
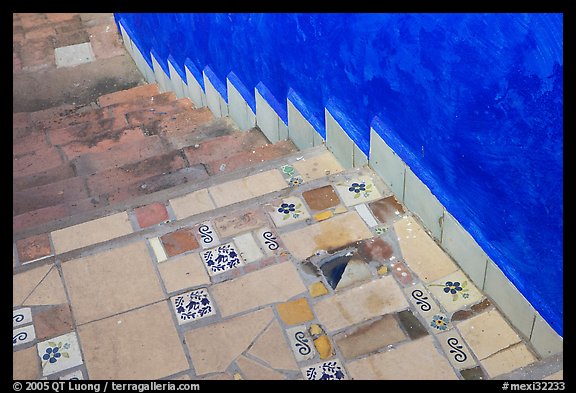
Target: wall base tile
[[161, 78], [300, 131], [266, 119], [387, 164], [214, 100], [359, 158], [338, 142], [126, 39], [142, 65], [545, 340], [177, 82], [419, 200], [194, 90], [238, 108]]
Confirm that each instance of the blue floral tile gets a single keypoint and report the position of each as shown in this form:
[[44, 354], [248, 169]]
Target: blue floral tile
[[207, 234], [301, 343], [74, 376], [357, 191], [59, 353], [438, 323], [193, 305], [23, 335], [454, 291], [289, 211], [22, 316], [222, 258], [328, 370]]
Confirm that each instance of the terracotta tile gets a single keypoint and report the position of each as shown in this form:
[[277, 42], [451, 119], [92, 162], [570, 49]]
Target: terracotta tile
[[321, 198], [387, 210], [454, 291], [34, 247], [418, 359], [191, 204], [328, 370], [411, 325], [53, 321], [317, 167], [36, 161], [51, 175], [113, 345], [271, 347], [26, 365], [183, 272], [105, 283], [238, 222], [369, 338], [59, 353], [128, 94], [67, 190], [255, 371], [179, 241], [474, 310], [402, 273], [508, 360], [295, 312], [376, 249], [152, 214]]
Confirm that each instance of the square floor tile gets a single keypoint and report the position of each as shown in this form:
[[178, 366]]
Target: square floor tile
[[248, 248], [53, 321], [454, 291], [359, 190], [22, 316], [301, 343], [183, 272], [221, 258], [268, 240], [23, 335], [321, 198], [328, 370], [289, 211], [59, 353], [193, 305], [179, 241], [387, 210], [72, 55], [34, 248], [207, 234], [152, 214]]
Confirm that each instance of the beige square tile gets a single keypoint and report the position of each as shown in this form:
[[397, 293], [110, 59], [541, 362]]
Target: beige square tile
[[328, 235], [273, 284], [487, 333], [317, 167], [247, 188], [421, 253], [455, 291], [265, 182], [182, 272], [418, 359], [194, 203], [91, 232], [111, 281], [25, 282], [49, 291], [508, 360], [378, 297], [255, 371], [271, 347], [26, 365], [145, 337]]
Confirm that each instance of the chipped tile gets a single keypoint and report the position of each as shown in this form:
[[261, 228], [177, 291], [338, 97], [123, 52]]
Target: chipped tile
[[359, 190], [268, 239], [324, 347], [301, 343], [152, 214], [328, 370], [474, 373], [317, 167], [222, 258], [356, 271], [179, 241], [508, 360], [248, 248], [158, 249], [183, 272], [317, 289], [193, 305], [387, 210], [289, 211], [22, 316], [271, 347], [366, 215], [255, 371], [34, 248], [25, 282], [295, 311], [59, 353], [191, 204], [411, 325], [53, 321], [454, 291], [321, 198], [208, 236], [456, 350], [23, 335]]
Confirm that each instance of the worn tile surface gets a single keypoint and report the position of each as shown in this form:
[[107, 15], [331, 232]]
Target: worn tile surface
[[182, 272], [387, 210], [179, 241], [191, 204], [271, 347], [26, 364], [25, 282], [321, 198], [49, 291], [53, 321], [33, 247], [508, 360]]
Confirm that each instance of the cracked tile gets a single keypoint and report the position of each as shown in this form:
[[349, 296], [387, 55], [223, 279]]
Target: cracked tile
[[49, 291], [25, 282], [508, 360], [252, 370], [271, 347]]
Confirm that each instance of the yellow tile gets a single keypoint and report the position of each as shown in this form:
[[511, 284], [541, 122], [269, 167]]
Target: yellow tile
[[237, 377], [383, 270], [317, 289], [295, 311], [508, 360], [323, 216], [323, 346], [315, 329]]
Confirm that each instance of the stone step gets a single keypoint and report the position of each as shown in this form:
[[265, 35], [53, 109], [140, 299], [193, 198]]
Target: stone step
[[149, 118], [88, 132], [47, 176], [124, 96], [39, 160], [67, 190]]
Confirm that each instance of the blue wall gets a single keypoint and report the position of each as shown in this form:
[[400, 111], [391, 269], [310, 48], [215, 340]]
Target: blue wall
[[480, 94]]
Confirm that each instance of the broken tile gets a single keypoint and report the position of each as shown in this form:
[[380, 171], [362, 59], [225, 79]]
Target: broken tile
[[221, 258], [382, 270], [321, 198], [158, 249], [317, 167], [359, 190], [49, 291], [355, 271], [301, 343], [268, 239], [53, 321], [387, 210], [183, 272], [324, 347], [191, 204], [375, 249], [411, 325], [248, 248], [233, 224], [25, 364], [193, 305], [366, 215], [317, 289], [74, 376], [214, 347], [23, 335], [59, 353], [454, 291], [418, 359], [328, 370], [152, 214], [323, 216], [179, 241], [24, 283], [315, 329], [359, 304], [456, 350], [474, 373], [508, 360], [333, 267], [271, 347], [255, 371], [422, 300], [276, 283], [289, 211], [295, 311], [208, 236], [369, 338], [22, 316], [401, 272], [487, 333], [34, 248], [474, 310]]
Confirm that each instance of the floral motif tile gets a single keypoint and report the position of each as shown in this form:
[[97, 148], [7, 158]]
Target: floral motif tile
[[301, 343], [74, 376], [289, 211], [438, 323], [269, 240], [22, 316], [248, 248], [59, 353], [456, 350], [221, 258], [23, 335], [359, 190], [328, 370], [454, 291], [291, 175], [193, 305], [207, 235]]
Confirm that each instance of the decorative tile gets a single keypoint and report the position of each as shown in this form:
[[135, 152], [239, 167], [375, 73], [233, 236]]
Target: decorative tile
[[301, 343], [208, 236], [23, 335], [193, 305], [269, 240], [454, 291], [22, 316], [59, 353], [179, 241], [34, 248], [456, 350], [74, 376], [424, 303], [329, 370], [158, 249], [221, 258], [291, 210], [321, 198], [439, 323], [359, 190], [248, 248], [387, 210], [366, 215]]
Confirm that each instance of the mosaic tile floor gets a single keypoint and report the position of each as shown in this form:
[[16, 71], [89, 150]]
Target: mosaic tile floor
[[300, 271]]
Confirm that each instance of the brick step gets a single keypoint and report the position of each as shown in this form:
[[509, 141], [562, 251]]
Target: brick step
[[150, 118], [196, 134], [124, 96], [28, 143], [52, 117], [39, 160], [35, 198], [141, 103], [89, 132], [101, 142], [48, 176]]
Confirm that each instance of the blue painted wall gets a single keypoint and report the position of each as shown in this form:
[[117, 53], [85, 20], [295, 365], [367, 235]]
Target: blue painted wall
[[480, 94]]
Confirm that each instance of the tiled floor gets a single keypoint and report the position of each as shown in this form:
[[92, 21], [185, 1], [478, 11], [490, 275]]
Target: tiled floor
[[254, 286]]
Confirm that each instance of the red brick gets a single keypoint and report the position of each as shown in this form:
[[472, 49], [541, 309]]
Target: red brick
[[89, 133], [119, 155], [129, 94], [36, 161], [41, 33], [105, 41], [46, 117], [37, 54], [29, 20], [149, 118], [142, 103], [53, 322], [214, 128], [61, 17], [176, 123], [251, 157], [116, 178], [102, 142], [152, 214], [28, 143], [67, 116], [48, 176], [21, 120], [179, 241], [66, 190], [33, 247]]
